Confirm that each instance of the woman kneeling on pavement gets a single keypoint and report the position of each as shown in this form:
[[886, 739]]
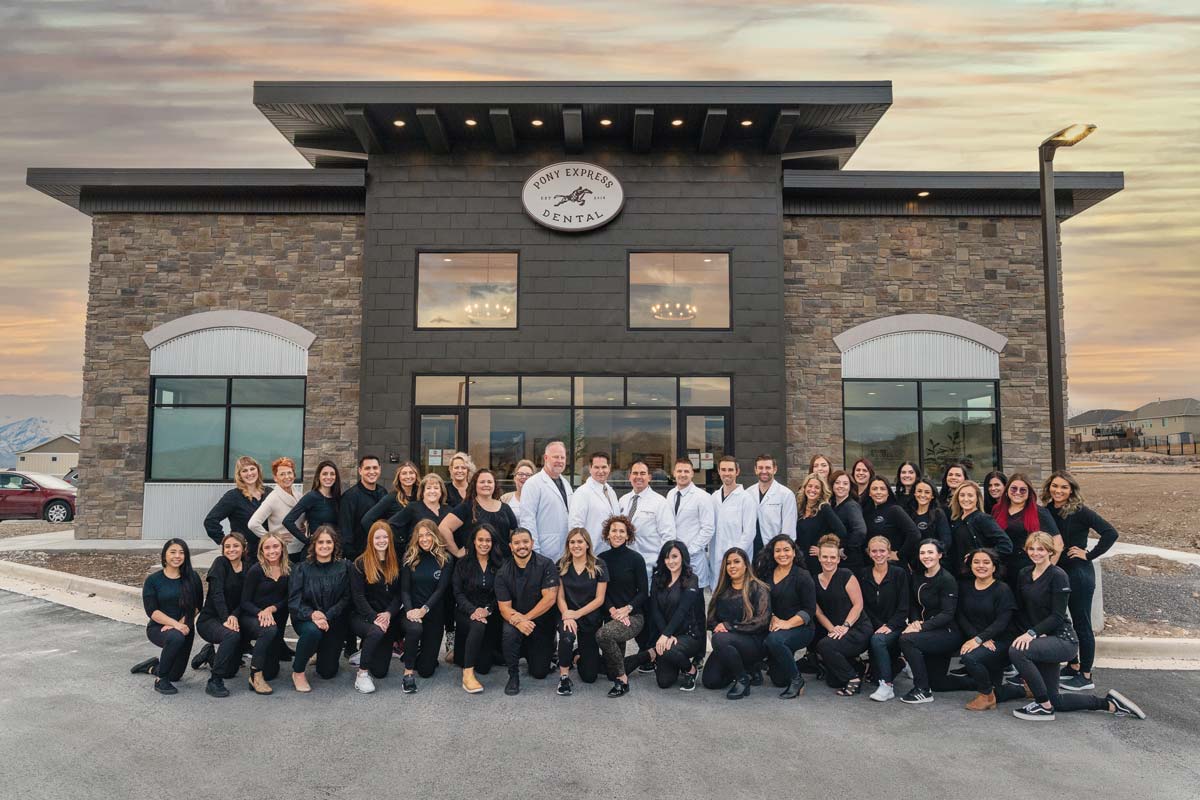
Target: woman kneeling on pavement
[[793, 604], [318, 599], [375, 614], [737, 616], [171, 598], [676, 619], [218, 623], [264, 610], [843, 630]]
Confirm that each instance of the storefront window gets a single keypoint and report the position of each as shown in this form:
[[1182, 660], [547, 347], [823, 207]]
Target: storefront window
[[679, 290], [467, 290]]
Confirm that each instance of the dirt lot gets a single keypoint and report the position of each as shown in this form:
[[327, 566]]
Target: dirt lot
[[128, 568], [28, 527], [1162, 510], [1150, 596]]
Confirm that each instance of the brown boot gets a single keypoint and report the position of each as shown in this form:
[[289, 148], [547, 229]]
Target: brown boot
[[1028, 691], [982, 702], [469, 683], [258, 683]]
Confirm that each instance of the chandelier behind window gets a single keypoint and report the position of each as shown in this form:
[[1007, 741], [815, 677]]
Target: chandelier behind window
[[672, 309], [488, 312]]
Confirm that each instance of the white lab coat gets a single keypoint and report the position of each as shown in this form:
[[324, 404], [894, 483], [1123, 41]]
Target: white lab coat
[[591, 505], [694, 526], [734, 526], [653, 524], [776, 511], [544, 514]]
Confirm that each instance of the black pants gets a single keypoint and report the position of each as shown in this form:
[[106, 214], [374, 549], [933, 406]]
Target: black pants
[[1039, 664], [176, 649], [733, 655], [423, 642], [835, 654], [537, 647], [929, 653], [781, 652], [228, 643], [476, 643], [325, 645], [677, 660], [985, 674], [268, 643], [589, 649], [376, 655], [1083, 589]]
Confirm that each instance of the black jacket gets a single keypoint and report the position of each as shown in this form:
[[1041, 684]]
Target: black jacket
[[237, 508], [474, 587], [935, 601], [851, 514], [677, 610], [893, 523], [319, 587], [969, 533], [317, 510], [224, 590], [356, 503], [885, 603]]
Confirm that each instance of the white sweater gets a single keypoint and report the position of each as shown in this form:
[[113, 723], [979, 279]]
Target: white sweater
[[275, 506]]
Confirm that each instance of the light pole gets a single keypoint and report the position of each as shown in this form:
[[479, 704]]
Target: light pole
[[1067, 137]]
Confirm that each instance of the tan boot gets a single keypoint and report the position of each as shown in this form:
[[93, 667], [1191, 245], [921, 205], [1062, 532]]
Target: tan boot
[[982, 702], [300, 681], [258, 683], [469, 683]]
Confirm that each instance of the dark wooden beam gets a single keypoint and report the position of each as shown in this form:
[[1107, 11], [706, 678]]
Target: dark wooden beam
[[502, 129], [364, 129], [332, 146], [781, 131], [435, 132], [714, 126], [572, 129], [821, 146], [643, 129]]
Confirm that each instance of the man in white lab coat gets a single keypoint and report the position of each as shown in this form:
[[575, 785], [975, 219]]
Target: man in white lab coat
[[735, 516], [545, 502], [594, 502], [776, 504], [693, 512], [652, 519]]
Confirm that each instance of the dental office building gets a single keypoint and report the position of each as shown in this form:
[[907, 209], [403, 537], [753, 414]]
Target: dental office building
[[652, 269]]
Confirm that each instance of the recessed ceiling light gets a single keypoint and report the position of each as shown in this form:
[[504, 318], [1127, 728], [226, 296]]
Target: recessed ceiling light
[[399, 123], [872, 394], [708, 261], [537, 123], [471, 123], [922, 194], [676, 122], [447, 260], [606, 122], [746, 123]]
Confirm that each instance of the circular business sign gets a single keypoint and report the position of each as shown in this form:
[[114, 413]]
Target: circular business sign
[[572, 196]]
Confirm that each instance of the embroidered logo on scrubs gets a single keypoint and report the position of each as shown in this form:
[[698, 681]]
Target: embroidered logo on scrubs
[[437, 575], [572, 196]]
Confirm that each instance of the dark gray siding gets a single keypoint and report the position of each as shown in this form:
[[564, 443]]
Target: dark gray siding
[[572, 290]]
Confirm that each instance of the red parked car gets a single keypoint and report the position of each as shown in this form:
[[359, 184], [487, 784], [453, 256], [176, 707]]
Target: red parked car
[[32, 495]]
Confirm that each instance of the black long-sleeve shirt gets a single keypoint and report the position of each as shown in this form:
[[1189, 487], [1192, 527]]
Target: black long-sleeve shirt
[[1074, 529], [385, 508], [986, 613], [935, 600], [404, 520], [224, 590], [678, 609], [1016, 531], [851, 514], [319, 587], [626, 579], [474, 586], [885, 603], [933, 524], [892, 523], [317, 510], [425, 583], [729, 608], [372, 599], [472, 516], [1044, 602], [795, 595], [237, 508], [259, 591], [809, 531], [356, 503], [972, 532], [160, 593]]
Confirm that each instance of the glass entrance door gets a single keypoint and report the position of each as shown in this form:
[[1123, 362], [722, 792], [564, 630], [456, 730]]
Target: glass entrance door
[[438, 438], [705, 438]]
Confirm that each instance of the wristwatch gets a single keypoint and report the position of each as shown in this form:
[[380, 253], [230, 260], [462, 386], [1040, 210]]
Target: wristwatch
[[978, 640], [1031, 633]]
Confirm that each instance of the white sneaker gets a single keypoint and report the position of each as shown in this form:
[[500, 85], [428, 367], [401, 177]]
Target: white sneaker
[[354, 659], [363, 683], [883, 693]]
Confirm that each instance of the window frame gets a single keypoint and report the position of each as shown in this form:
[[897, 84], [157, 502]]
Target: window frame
[[228, 406], [632, 251], [416, 321]]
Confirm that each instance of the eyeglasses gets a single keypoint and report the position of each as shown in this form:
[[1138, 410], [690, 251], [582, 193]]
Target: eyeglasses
[[1018, 490]]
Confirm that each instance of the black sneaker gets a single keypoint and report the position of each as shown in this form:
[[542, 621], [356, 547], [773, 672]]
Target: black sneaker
[[409, 684], [756, 678], [958, 672], [204, 657], [1076, 683], [916, 696], [564, 686], [688, 684], [1067, 671], [646, 668], [1124, 706], [146, 667], [514, 684], [216, 688], [1034, 712], [619, 689], [739, 689], [164, 686]]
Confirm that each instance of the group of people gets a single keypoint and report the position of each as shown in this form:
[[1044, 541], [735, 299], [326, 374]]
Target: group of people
[[868, 576]]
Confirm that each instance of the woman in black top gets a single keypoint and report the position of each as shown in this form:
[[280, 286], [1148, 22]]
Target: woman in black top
[[481, 506], [478, 623], [848, 510], [404, 491], [737, 616], [907, 476], [843, 631], [461, 467], [424, 582], [264, 610], [1074, 519], [885, 594], [886, 518], [861, 475], [821, 466], [953, 476], [929, 517], [171, 598], [932, 637], [1049, 640], [970, 528], [793, 605], [814, 519], [676, 618], [1018, 515], [318, 506], [624, 600], [238, 504], [431, 507], [375, 606], [583, 582], [218, 623], [994, 485], [318, 600]]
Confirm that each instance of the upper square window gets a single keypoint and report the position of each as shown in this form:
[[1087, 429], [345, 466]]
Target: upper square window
[[467, 290], [679, 290]]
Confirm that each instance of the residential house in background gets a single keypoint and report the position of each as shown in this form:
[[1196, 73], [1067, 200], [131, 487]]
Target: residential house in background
[[56, 456]]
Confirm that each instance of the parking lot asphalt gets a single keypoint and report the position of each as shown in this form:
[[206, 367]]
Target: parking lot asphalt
[[75, 724]]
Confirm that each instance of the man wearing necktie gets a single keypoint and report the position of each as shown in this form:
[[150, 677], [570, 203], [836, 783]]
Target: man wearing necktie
[[693, 512], [594, 502], [652, 519], [545, 503]]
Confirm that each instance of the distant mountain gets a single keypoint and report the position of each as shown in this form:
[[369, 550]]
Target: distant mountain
[[27, 420]]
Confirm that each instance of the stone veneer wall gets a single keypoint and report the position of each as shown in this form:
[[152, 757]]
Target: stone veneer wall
[[147, 269], [842, 271]]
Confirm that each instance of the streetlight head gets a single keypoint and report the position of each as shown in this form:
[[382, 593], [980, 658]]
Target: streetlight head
[[1070, 135]]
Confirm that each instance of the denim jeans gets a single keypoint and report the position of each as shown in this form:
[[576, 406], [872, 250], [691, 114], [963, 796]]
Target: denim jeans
[[781, 652], [885, 647]]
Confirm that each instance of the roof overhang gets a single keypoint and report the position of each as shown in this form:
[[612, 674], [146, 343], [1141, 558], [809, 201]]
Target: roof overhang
[[816, 124], [870, 193]]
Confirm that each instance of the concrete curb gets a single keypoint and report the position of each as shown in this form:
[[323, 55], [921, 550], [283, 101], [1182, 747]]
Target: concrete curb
[[64, 581], [1126, 647]]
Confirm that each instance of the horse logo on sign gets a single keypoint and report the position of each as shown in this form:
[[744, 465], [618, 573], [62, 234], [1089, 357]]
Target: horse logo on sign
[[572, 196], [579, 195]]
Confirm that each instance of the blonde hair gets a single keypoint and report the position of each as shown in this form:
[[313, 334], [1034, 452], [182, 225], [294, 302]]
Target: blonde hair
[[466, 459], [883, 540], [956, 508], [372, 567], [589, 558], [807, 507], [1042, 538], [285, 563], [412, 554], [432, 477], [1074, 500], [243, 487]]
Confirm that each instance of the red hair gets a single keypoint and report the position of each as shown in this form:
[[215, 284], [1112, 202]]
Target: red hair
[[1029, 515], [282, 462]]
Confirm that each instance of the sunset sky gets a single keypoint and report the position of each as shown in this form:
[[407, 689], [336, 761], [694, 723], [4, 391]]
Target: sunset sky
[[976, 85]]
